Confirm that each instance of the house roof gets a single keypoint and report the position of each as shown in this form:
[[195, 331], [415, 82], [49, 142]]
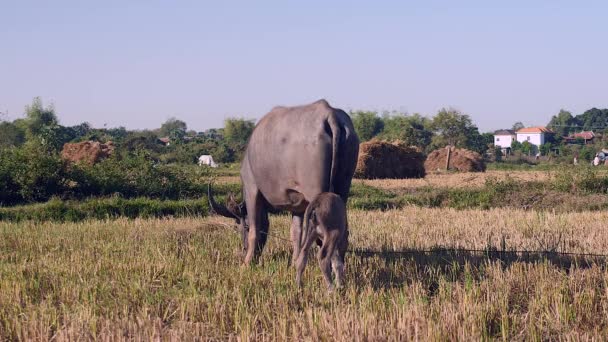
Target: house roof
[[587, 135], [165, 139], [538, 129], [505, 132]]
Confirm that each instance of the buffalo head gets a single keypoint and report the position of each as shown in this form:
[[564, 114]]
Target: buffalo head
[[233, 210]]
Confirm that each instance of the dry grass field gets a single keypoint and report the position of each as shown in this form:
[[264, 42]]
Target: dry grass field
[[441, 180], [457, 179], [181, 279]]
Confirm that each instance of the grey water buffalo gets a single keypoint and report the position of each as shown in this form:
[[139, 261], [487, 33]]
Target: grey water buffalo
[[293, 154], [325, 220]]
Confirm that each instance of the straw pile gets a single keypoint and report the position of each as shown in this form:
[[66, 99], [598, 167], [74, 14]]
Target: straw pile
[[460, 159], [379, 159], [86, 152]]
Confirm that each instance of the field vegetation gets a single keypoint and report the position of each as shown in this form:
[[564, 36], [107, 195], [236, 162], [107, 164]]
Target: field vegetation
[[182, 279], [184, 194], [127, 248]]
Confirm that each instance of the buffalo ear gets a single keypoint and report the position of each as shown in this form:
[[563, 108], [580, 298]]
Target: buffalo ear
[[218, 208], [235, 208]]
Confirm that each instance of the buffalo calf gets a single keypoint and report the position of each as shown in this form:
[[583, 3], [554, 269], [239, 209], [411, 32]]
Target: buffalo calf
[[325, 220]]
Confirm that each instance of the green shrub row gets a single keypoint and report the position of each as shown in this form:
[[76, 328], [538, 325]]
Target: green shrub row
[[31, 174], [107, 208]]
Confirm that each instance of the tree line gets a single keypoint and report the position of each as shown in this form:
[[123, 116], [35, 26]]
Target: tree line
[[448, 127], [41, 127]]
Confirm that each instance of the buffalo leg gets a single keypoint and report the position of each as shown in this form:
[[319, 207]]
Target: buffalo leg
[[263, 233], [257, 216], [296, 232]]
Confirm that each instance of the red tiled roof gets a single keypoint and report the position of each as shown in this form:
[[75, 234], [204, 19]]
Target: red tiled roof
[[587, 135], [538, 129]]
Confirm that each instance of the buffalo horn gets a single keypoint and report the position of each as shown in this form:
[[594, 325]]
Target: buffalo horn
[[218, 208]]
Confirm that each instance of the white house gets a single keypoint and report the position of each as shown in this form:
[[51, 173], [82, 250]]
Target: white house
[[534, 135], [206, 159], [503, 139]]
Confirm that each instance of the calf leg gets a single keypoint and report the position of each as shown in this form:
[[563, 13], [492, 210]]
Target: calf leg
[[337, 260], [296, 232], [303, 259], [325, 255]]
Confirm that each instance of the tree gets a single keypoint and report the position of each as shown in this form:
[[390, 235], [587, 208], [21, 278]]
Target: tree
[[515, 145], [475, 141], [238, 131], [527, 148], [367, 124], [177, 135], [517, 126], [488, 138], [42, 127], [587, 152], [116, 134], [213, 134], [593, 119], [453, 128], [37, 117], [545, 149], [497, 154], [174, 127], [144, 140], [11, 135], [82, 130], [411, 129], [563, 123]]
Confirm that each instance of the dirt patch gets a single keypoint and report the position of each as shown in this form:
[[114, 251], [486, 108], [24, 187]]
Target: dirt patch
[[380, 159], [462, 160], [87, 152]]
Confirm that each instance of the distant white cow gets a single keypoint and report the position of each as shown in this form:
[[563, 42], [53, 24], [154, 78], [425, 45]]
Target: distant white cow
[[206, 159]]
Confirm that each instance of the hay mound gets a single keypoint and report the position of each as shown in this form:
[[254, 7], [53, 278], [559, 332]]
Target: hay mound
[[460, 159], [379, 159], [87, 152]]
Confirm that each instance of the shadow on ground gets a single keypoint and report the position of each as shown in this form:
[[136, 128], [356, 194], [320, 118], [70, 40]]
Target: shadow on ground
[[396, 269]]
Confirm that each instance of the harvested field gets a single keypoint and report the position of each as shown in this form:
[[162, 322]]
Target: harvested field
[[181, 279], [380, 160], [457, 180], [440, 180], [460, 160]]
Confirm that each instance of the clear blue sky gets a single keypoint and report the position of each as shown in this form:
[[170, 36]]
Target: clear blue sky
[[136, 65]]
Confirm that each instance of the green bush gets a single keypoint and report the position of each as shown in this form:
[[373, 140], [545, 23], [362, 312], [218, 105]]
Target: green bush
[[106, 208], [30, 174], [581, 179], [368, 198]]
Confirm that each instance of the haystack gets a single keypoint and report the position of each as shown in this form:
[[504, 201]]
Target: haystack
[[87, 152], [379, 159], [460, 159]]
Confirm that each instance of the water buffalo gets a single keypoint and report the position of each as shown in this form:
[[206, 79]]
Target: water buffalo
[[293, 154], [325, 219]]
